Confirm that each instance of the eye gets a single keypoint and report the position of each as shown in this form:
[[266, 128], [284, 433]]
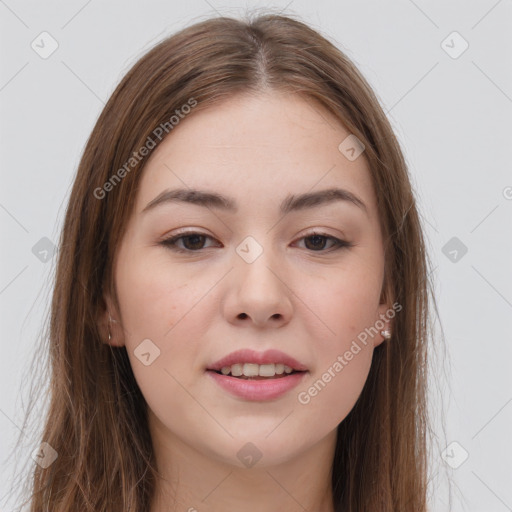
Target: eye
[[194, 242], [317, 241]]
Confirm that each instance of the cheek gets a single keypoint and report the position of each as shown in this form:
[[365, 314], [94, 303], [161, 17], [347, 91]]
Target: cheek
[[167, 307], [347, 305], [158, 305], [332, 394], [152, 299], [345, 301], [337, 380]]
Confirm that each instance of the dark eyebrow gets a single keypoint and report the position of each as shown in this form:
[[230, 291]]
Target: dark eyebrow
[[290, 203]]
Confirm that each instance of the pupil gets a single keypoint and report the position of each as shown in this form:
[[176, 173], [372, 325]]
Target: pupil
[[317, 238], [187, 238]]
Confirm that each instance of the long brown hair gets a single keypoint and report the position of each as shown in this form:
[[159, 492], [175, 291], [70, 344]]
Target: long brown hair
[[96, 418]]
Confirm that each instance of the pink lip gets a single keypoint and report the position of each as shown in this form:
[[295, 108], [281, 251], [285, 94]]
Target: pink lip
[[257, 390], [251, 356]]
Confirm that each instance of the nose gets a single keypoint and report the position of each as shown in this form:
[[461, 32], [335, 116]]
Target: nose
[[258, 294]]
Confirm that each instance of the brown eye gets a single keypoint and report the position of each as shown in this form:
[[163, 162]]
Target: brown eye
[[316, 242], [191, 242], [194, 242]]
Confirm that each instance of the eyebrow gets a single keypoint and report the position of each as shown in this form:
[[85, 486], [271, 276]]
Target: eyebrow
[[291, 203]]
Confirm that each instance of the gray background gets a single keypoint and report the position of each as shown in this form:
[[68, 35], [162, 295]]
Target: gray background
[[452, 116]]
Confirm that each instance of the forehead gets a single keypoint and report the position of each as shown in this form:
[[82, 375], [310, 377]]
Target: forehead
[[258, 149]]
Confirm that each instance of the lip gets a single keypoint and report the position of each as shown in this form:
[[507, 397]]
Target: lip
[[251, 356], [257, 390]]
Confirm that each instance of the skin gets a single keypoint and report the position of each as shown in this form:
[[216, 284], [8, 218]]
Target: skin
[[306, 299]]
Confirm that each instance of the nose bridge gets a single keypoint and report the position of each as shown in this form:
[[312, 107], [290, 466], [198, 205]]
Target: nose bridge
[[258, 290], [257, 262]]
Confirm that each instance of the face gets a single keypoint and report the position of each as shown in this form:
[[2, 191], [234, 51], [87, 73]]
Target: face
[[258, 271]]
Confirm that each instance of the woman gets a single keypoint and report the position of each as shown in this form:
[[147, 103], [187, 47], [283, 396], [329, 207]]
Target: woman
[[239, 319]]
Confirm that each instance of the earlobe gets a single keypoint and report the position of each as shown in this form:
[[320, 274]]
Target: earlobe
[[110, 329], [384, 324], [386, 334]]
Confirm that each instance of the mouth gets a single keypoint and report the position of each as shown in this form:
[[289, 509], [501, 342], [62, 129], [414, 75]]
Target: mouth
[[257, 376], [257, 388], [252, 371]]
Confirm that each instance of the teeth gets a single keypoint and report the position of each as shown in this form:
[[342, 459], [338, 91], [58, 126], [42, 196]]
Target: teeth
[[236, 370], [267, 370], [250, 370], [255, 370]]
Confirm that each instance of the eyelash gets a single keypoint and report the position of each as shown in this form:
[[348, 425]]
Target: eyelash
[[170, 243]]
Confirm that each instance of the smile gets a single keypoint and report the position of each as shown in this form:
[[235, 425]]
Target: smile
[[257, 388], [252, 370]]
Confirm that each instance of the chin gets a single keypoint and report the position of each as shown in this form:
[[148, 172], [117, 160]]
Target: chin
[[259, 450]]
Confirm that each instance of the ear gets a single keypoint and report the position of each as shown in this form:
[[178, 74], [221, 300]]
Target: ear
[[386, 313], [109, 322]]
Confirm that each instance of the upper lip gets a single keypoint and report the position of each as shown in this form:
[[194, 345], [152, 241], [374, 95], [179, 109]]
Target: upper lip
[[251, 356]]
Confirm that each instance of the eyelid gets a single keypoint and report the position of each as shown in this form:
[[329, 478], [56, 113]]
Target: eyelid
[[339, 243], [170, 242]]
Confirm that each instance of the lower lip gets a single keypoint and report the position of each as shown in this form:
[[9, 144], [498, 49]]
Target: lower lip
[[257, 390]]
